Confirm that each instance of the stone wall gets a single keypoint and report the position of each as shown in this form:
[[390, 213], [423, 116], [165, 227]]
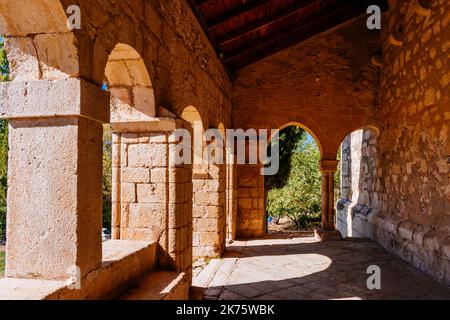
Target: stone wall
[[182, 64], [409, 211], [325, 84], [359, 185]]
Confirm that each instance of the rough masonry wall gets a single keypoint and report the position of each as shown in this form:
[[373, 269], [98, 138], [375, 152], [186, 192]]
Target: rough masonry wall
[[182, 64], [359, 184], [326, 84], [412, 177]]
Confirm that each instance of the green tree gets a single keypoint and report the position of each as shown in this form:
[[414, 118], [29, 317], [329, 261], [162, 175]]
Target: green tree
[[299, 197], [107, 176], [4, 76], [4, 65], [289, 140]]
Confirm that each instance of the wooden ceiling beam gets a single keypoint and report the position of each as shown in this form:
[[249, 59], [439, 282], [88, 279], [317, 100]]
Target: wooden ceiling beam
[[254, 5], [272, 43], [284, 13]]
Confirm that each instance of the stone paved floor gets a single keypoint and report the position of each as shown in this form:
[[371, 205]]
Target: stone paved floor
[[301, 268]]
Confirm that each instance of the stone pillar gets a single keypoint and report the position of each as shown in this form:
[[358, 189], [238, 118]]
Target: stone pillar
[[209, 185], [54, 177], [328, 231], [231, 197], [152, 196], [251, 216], [180, 225]]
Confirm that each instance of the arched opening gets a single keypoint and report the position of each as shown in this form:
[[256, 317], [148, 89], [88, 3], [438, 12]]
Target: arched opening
[[293, 195], [199, 174], [358, 195], [208, 182], [191, 115], [4, 76], [132, 102], [32, 34], [127, 78]]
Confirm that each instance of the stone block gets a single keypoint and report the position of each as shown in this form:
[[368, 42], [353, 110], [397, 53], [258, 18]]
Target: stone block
[[152, 193], [135, 175]]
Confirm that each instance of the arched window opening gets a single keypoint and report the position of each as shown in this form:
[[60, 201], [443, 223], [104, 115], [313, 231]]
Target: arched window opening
[[191, 115], [132, 102], [127, 78]]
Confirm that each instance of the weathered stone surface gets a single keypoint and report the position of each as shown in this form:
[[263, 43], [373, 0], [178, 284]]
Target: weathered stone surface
[[402, 176], [53, 199], [68, 97]]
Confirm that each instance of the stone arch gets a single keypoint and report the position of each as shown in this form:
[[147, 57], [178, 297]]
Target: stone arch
[[38, 40], [309, 131], [127, 78], [133, 108], [209, 220], [193, 117], [316, 142]]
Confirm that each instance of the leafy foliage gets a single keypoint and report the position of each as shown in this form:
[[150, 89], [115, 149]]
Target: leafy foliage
[[296, 193], [289, 141], [2, 264], [4, 76], [107, 176], [4, 65]]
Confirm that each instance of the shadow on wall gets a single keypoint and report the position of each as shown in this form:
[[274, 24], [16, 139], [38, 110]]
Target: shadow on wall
[[358, 183], [329, 270]]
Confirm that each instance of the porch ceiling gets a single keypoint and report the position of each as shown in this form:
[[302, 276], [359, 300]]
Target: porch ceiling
[[245, 31]]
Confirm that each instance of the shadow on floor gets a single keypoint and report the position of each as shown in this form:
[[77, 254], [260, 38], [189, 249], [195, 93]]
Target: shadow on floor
[[283, 268]]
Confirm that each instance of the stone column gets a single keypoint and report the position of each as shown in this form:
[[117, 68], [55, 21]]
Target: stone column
[[180, 226], [328, 231], [209, 186], [231, 197], [251, 217], [54, 177]]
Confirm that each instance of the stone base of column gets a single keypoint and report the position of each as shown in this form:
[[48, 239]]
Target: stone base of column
[[327, 235]]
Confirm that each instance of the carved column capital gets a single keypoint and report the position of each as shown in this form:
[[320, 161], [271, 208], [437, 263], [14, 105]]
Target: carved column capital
[[328, 166]]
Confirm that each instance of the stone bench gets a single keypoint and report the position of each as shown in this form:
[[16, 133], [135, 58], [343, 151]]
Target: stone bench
[[124, 264]]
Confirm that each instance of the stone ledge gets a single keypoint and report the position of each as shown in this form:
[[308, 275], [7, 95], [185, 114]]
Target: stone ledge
[[148, 126], [161, 285], [426, 249], [124, 263], [54, 98]]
